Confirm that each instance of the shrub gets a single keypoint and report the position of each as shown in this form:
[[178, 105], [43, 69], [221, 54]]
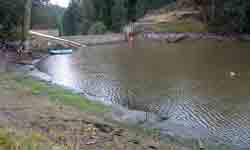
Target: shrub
[[97, 28]]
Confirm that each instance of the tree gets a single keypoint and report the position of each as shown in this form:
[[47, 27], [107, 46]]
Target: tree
[[226, 15], [26, 21], [15, 18], [11, 20], [78, 17], [97, 28], [88, 15], [113, 13], [48, 17], [119, 15], [71, 20], [141, 8]]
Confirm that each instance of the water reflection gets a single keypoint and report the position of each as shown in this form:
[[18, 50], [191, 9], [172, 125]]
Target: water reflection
[[64, 72], [189, 82]]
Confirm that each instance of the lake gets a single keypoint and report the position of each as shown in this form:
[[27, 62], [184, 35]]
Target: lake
[[203, 87]]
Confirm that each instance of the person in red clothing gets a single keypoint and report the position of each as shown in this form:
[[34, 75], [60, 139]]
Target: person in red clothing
[[131, 39], [130, 34]]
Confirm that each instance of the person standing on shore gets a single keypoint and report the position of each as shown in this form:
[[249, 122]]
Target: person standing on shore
[[129, 32]]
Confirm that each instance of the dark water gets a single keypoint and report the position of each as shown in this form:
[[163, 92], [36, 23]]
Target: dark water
[[204, 87]]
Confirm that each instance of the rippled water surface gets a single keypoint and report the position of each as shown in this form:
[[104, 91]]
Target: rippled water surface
[[202, 86]]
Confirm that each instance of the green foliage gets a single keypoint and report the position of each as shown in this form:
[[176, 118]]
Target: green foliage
[[11, 18], [118, 15], [15, 18], [226, 15], [48, 17], [113, 13], [141, 8], [59, 95], [220, 16], [72, 20], [97, 28]]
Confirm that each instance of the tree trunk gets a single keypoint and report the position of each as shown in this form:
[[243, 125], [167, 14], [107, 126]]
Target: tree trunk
[[213, 10], [26, 23]]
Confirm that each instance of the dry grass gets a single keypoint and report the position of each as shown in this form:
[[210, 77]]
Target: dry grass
[[180, 26], [12, 140], [175, 20]]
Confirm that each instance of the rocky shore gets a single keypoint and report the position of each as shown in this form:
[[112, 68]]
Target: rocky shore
[[176, 37]]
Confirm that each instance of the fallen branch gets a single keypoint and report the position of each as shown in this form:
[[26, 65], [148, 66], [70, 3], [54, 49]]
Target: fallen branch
[[70, 43]]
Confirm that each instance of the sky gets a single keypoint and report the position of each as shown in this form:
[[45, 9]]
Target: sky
[[63, 3]]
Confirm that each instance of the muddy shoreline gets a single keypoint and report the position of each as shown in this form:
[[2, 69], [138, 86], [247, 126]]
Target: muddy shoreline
[[131, 117], [176, 37], [119, 113]]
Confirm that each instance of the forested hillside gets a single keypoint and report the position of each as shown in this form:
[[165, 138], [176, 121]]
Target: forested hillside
[[227, 16], [224, 15], [107, 14], [97, 17]]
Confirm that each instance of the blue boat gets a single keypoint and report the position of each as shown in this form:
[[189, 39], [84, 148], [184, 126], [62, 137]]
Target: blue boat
[[60, 51]]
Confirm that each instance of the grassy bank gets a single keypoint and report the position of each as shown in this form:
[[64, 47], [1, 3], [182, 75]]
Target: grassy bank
[[46, 126], [55, 93], [40, 125]]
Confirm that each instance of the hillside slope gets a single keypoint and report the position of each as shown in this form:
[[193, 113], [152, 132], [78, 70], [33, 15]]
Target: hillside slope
[[174, 19]]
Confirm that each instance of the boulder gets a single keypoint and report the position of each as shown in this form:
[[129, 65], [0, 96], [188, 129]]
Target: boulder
[[244, 38]]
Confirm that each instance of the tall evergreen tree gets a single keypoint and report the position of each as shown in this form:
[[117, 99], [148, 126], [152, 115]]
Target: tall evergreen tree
[[87, 15], [71, 20], [114, 13], [226, 15], [119, 15]]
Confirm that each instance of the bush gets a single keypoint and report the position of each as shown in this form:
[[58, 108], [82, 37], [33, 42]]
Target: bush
[[97, 28], [225, 15], [11, 19]]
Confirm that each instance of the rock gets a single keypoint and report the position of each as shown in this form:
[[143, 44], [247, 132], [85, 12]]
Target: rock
[[40, 76], [91, 142], [234, 74], [173, 38], [25, 68], [244, 38], [118, 132], [152, 147], [104, 128], [201, 145], [134, 141]]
